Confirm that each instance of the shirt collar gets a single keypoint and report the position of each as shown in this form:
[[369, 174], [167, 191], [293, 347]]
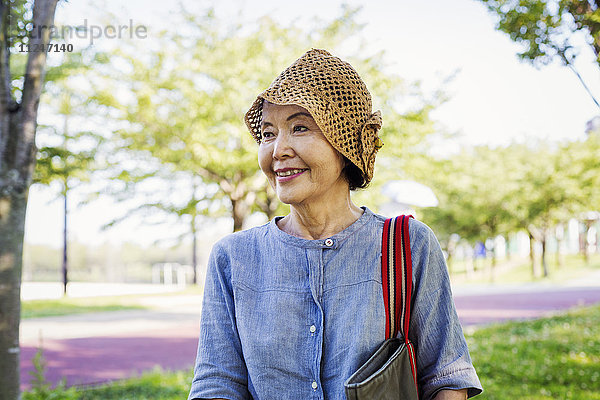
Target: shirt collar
[[332, 242]]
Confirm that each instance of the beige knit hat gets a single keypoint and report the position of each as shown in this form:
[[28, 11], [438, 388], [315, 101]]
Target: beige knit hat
[[336, 97]]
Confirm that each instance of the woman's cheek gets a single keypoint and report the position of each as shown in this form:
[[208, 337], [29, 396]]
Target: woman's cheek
[[265, 162], [264, 159]]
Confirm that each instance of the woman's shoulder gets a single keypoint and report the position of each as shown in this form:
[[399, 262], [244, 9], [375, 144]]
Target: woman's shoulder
[[419, 229], [241, 240], [416, 229]]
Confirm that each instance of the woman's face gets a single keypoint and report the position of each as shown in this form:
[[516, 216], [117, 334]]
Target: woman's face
[[299, 162]]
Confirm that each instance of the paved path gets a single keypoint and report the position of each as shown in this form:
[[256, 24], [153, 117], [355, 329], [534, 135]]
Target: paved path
[[93, 348]]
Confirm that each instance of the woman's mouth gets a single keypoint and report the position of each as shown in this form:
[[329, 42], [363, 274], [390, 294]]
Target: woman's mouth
[[288, 174]]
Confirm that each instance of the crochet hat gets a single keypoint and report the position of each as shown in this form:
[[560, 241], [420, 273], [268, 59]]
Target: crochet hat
[[336, 97]]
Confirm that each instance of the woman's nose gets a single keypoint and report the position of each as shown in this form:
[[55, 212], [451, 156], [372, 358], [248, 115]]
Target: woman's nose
[[282, 147]]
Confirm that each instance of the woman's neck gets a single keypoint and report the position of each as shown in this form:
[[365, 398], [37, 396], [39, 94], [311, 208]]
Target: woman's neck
[[312, 221]]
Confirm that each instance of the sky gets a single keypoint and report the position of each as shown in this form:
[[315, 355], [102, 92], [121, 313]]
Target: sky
[[494, 97]]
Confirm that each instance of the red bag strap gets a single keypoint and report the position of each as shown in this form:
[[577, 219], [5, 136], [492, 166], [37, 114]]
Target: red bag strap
[[396, 273]]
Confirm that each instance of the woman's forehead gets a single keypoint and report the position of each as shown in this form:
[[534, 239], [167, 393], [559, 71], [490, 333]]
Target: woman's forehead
[[276, 110]]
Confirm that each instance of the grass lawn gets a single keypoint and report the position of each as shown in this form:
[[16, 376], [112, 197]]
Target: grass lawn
[[573, 267], [68, 305], [550, 358], [156, 385], [80, 305], [153, 385]]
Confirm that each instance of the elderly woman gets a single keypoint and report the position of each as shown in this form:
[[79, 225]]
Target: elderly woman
[[294, 307]]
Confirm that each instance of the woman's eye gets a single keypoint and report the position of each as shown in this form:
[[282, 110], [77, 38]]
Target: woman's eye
[[300, 128], [268, 134]]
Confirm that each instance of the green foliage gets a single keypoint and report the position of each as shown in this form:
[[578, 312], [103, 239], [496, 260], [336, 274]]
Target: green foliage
[[581, 158], [545, 27], [185, 118], [484, 192], [487, 191], [473, 192], [20, 21], [75, 156], [59, 163], [550, 358], [41, 389]]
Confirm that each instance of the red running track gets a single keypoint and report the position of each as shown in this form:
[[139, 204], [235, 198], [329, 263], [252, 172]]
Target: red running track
[[496, 307]]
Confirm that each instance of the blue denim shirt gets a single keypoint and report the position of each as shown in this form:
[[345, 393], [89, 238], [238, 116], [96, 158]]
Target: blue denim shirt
[[290, 318]]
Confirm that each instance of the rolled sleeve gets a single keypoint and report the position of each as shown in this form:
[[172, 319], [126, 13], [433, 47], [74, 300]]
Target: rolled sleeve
[[443, 359], [220, 370]]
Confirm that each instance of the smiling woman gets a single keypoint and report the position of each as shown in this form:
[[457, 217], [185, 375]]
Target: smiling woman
[[294, 307]]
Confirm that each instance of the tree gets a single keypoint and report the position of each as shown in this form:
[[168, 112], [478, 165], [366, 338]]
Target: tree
[[584, 168], [60, 163], [543, 205], [546, 29], [554, 183], [484, 192], [18, 119], [473, 191]]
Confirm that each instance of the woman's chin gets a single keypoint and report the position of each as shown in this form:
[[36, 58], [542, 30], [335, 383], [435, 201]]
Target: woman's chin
[[286, 198], [289, 197]]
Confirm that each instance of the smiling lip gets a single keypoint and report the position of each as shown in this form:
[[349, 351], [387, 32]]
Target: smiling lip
[[294, 172]]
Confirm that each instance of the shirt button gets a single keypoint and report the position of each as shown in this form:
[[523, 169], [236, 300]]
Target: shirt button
[[314, 385], [313, 329], [329, 242]]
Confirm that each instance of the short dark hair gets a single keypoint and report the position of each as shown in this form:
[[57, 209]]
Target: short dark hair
[[354, 175]]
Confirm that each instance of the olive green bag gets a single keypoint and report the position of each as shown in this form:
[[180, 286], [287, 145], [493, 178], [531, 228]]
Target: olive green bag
[[391, 373]]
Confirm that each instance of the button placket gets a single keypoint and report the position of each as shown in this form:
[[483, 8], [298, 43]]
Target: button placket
[[315, 339]]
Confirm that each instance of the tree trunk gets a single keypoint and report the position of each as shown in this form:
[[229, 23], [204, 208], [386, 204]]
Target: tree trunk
[[588, 226], [450, 260], [239, 213], [240, 198], [559, 245], [194, 250], [12, 223], [65, 258], [531, 254], [493, 262], [544, 263], [18, 123], [583, 244]]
